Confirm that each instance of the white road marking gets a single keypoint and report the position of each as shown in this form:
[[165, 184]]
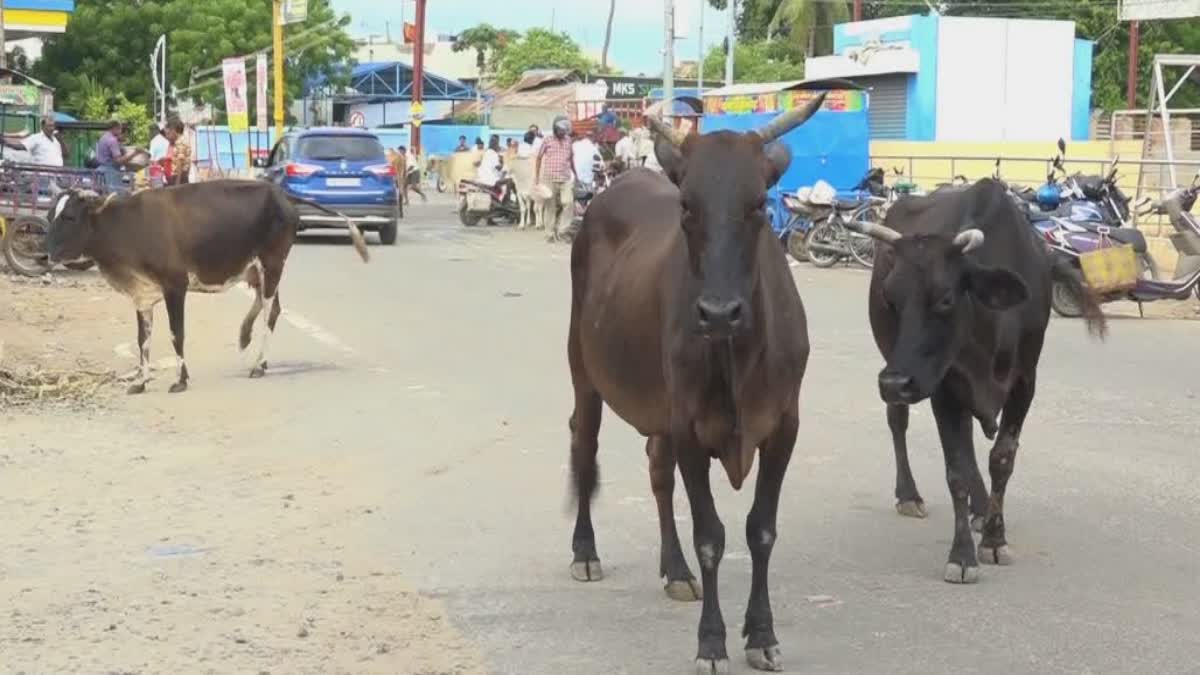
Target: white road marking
[[304, 325]]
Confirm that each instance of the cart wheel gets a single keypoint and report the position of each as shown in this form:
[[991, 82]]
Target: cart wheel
[[25, 246]]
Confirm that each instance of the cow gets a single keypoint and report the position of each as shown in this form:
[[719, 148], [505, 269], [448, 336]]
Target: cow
[[686, 321], [157, 245], [522, 175], [958, 303]]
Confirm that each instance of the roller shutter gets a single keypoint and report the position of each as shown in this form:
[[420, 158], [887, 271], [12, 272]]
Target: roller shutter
[[889, 105]]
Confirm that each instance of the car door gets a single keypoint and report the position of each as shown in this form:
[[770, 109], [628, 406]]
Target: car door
[[277, 161]]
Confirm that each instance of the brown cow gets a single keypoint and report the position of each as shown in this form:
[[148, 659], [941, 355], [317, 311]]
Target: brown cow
[[156, 245], [685, 320]]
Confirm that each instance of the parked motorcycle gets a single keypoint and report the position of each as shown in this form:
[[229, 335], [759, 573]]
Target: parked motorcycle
[[480, 201], [1177, 207]]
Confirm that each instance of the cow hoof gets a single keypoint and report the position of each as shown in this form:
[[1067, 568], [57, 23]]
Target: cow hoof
[[684, 590], [178, 387], [912, 509], [977, 524], [957, 574], [768, 659], [257, 372], [998, 555], [712, 666], [588, 570], [139, 388]]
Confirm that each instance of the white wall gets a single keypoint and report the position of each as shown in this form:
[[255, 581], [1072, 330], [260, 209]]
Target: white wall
[[398, 112], [992, 83]]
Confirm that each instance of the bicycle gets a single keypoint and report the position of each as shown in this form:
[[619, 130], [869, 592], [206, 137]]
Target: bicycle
[[830, 241]]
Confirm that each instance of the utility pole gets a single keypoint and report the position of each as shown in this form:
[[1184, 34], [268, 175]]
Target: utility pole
[[1131, 79], [417, 108], [858, 10], [277, 40], [700, 49], [3, 50], [732, 41], [668, 60]]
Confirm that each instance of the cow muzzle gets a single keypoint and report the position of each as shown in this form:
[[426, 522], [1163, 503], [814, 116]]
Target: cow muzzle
[[720, 318], [898, 389]]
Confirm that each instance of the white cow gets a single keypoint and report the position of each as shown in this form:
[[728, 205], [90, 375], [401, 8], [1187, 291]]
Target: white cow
[[522, 175]]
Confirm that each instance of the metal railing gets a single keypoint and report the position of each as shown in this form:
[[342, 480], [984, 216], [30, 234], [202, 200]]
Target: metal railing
[[929, 171]]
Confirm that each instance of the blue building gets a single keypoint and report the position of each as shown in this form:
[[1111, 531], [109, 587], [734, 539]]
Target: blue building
[[938, 78]]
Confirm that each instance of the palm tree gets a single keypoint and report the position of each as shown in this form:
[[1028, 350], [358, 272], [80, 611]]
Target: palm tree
[[612, 9], [808, 22], [487, 41]]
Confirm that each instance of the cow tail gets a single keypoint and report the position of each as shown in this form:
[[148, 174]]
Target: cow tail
[[356, 235], [1063, 271]]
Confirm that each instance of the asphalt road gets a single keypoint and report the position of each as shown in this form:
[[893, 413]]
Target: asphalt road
[[435, 381]]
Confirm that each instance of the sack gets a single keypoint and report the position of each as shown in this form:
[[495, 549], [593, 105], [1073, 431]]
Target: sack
[[1110, 268], [479, 202]]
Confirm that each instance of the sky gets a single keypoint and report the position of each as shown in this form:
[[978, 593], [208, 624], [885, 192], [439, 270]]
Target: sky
[[637, 26]]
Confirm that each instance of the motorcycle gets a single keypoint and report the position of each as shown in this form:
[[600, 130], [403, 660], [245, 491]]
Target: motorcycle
[[480, 201], [1177, 206], [816, 232]]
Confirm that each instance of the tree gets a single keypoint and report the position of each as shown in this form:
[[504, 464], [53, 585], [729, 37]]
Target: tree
[[109, 42], [612, 10], [540, 48], [488, 42], [808, 23], [760, 61]]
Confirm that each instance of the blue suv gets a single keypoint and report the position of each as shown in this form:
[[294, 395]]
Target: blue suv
[[342, 169]]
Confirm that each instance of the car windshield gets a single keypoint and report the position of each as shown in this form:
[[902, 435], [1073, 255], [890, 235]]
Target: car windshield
[[350, 148]]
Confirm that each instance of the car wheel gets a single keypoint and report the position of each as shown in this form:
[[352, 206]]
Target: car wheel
[[387, 233]]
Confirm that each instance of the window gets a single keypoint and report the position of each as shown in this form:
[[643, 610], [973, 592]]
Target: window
[[337, 147]]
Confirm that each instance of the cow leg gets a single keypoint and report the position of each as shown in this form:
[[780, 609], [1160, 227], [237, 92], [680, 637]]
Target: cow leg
[[993, 547], [762, 647], [585, 430], [145, 324], [175, 301], [708, 534], [678, 580], [977, 500], [955, 428], [254, 279], [270, 289], [908, 500]]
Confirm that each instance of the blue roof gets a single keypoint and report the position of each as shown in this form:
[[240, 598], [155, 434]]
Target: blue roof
[[392, 81]]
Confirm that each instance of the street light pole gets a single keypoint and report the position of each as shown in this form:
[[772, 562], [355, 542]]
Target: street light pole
[[418, 86], [732, 41], [700, 63], [668, 58], [277, 39]]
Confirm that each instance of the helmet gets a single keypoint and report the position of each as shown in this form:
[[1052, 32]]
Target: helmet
[[1049, 197], [561, 123]]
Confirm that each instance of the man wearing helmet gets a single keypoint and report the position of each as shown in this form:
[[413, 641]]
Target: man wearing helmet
[[556, 168]]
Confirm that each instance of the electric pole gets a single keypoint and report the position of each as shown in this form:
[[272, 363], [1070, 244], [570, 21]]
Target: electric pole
[[700, 63], [3, 50], [417, 109], [669, 60], [1131, 78], [277, 40], [858, 10], [732, 42]]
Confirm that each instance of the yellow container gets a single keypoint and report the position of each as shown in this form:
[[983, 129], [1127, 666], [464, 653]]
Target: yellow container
[[1110, 268]]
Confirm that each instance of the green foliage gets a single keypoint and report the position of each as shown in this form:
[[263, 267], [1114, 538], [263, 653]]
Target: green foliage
[[759, 61], [488, 42], [138, 119], [468, 119], [540, 49], [90, 99], [107, 44]]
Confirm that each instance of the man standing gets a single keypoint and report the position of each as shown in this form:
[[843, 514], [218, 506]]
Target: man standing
[[555, 167], [111, 157], [45, 148], [585, 153], [462, 145], [181, 154]]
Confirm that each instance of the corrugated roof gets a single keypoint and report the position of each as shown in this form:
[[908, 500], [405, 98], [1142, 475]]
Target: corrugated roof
[[542, 76]]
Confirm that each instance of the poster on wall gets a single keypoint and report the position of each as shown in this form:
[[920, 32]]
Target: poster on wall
[[260, 92], [234, 71]]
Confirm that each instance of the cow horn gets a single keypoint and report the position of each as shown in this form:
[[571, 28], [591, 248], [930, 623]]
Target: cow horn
[[791, 119], [875, 231], [969, 240], [660, 127]]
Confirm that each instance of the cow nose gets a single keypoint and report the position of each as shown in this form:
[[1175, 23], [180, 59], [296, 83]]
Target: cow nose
[[719, 317], [897, 388]]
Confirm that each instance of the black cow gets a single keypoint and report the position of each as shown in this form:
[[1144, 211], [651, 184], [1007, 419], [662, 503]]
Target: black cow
[[959, 303], [686, 321], [156, 245]]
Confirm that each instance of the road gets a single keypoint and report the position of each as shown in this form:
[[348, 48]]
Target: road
[[412, 432]]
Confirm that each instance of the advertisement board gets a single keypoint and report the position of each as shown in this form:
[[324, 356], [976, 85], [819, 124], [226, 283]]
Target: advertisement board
[[234, 71]]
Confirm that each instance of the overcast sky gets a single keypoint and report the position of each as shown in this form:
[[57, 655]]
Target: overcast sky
[[637, 28]]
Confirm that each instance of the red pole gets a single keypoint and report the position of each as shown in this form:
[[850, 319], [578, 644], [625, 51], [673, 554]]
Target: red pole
[[418, 73], [1131, 79], [858, 10]]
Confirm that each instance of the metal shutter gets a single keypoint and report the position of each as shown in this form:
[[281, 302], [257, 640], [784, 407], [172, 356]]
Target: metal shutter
[[888, 110]]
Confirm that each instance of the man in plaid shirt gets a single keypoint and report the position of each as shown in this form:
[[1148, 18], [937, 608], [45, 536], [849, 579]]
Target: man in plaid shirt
[[556, 168]]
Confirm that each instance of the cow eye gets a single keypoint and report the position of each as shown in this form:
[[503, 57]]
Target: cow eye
[[945, 304]]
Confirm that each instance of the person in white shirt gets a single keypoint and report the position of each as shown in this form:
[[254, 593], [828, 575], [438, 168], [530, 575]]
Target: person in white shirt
[[537, 138], [160, 146], [527, 147], [584, 153], [625, 151], [488, 171], [44, 148]]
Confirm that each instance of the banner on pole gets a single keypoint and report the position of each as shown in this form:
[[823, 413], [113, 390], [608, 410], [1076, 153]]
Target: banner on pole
[[294, 11], [260, 92], [234, 70]]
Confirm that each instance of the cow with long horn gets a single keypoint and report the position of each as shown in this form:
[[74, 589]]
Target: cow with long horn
[[686, 321], [959, 303]]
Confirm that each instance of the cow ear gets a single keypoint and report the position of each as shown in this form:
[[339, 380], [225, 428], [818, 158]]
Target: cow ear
[[779, 158], [997, 288], [669, 157]]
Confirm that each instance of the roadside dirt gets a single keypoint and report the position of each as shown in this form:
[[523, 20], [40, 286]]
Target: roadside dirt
[[138, 542]]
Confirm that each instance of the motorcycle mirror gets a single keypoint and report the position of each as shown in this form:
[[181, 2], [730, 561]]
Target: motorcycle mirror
[[1062, 146]]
